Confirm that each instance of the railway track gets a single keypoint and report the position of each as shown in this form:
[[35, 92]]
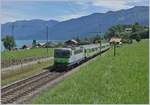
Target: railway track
[[13, 92]]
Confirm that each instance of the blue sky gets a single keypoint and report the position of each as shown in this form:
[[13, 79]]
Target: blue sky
[[60, 10]]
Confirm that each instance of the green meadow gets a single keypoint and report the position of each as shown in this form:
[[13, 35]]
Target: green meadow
[[22, 54], [122, 79]]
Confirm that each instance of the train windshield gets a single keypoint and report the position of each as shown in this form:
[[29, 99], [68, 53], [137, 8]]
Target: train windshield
[[62, 53]]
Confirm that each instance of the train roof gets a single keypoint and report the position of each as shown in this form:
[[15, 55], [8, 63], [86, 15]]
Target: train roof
[[63, 48], [90, 45], [105, 44], [69, 48], [82, 46]]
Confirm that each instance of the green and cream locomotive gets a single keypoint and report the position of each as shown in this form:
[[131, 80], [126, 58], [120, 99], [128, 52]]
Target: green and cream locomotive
[[71, 56]]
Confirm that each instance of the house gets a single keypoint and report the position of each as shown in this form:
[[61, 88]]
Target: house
[[14, 49], [40, 45], [71, 42], [115, 40], [27, 47]]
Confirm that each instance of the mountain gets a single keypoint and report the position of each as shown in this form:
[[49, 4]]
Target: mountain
[[31, 29], [80, 27]]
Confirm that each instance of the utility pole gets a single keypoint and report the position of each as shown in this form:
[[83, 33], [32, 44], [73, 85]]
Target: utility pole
[[100, 40], [12, 33], [99, 32], [100, 45], [47, 39], [114, 48], [12, 30]]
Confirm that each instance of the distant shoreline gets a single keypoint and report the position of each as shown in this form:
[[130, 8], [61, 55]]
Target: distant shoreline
[[20, 43]]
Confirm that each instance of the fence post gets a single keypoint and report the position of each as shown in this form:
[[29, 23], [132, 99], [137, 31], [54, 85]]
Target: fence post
[[21, 64]]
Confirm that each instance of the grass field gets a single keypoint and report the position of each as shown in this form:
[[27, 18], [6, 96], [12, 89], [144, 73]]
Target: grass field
[[22, 54], [12, 76], [107, 80]]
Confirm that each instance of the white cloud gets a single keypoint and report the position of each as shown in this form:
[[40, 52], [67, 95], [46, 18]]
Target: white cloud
[[111, 4], [4, 17], [108, 4], [72, 16]]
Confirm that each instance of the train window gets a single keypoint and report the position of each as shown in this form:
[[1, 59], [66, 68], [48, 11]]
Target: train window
[[78, 51], [92, 49], [103, 46], [62, 53]]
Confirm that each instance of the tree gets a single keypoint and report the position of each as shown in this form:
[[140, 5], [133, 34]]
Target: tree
[[126, 38], [139, 32], [60, 44], [77, 39], [116, 31], [34, 43], [136, 27], [138, 38], [9, 42], [96, 39], [85, 40]]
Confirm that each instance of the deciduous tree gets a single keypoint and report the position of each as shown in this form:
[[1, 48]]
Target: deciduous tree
[[9, 42]]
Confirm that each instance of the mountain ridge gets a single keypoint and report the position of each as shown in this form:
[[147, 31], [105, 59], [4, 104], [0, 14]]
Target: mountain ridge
[[78, 27]]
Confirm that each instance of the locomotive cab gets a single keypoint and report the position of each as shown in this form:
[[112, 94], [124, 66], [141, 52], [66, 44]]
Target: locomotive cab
[[61, 57], [66, 58]]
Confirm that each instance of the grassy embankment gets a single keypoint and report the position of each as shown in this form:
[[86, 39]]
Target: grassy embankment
[[14, 75], [22, 54], [121, 79], [30, 70]]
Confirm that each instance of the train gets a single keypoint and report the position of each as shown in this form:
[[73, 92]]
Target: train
[[68, 57]]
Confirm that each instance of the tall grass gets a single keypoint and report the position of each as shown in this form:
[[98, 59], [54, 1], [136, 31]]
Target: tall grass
[[107, 80]]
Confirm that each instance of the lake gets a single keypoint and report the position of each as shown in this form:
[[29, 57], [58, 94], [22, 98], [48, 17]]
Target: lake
[[20, 43]]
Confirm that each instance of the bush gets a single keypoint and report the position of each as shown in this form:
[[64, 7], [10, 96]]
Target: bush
[[129, 41]]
